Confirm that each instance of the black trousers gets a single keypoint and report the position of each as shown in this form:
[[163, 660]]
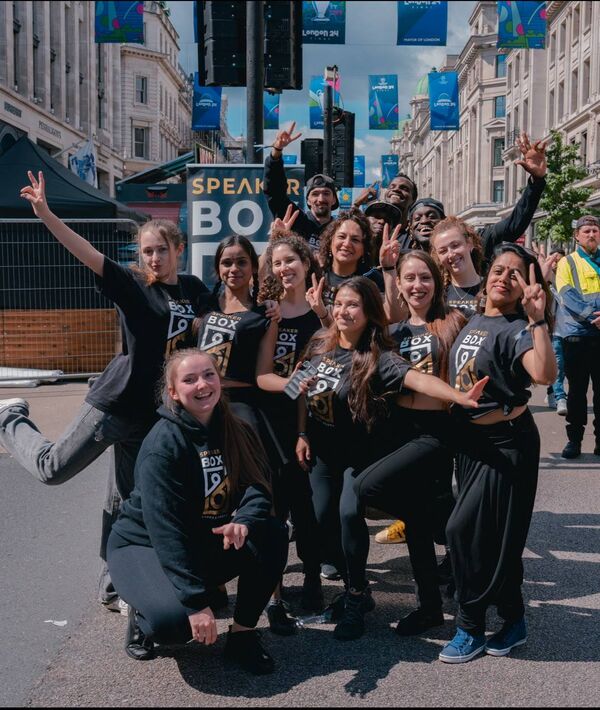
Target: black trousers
[[140, 580], [582, 363], [497, 476]]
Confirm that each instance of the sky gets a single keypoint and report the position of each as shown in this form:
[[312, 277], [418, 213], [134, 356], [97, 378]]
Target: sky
[[370, 49]]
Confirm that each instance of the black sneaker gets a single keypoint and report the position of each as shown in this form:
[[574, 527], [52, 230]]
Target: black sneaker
[[329, 571], [572, 450], [419, 620], [245, 650], [279, 622], [137, 645], [312, 594], [335, 609], [352, 624]]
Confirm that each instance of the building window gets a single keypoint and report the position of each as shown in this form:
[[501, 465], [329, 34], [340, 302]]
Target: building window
[[498, 150], [583, 148], [499, 106], [552, 48], [562, 34], [574, 90], [575, 25], [561, 100], [587, 15], [585, 89], [526, 61], [500, 65], [551, 109], [498, 191], [141, 89], [141, 142]]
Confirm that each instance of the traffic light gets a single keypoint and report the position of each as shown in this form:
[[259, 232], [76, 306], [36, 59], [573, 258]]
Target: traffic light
[[221, 32], [311, 154], [342, 162]]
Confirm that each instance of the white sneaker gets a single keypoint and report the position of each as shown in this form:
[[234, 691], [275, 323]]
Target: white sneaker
[[561, 407], [15, 402]]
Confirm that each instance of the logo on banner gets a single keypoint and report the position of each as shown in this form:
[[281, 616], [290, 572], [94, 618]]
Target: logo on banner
[[218, 331], [216, 483], [422, 23], [323, 22], [320, 397], [521, 24]]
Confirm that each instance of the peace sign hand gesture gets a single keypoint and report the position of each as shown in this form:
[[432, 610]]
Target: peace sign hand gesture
[[314, 297], [284, 138], [284, 225], [390, 247], [35, 194], [534, 296], [534, 156]]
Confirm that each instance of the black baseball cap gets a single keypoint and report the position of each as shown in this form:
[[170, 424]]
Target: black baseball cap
[[391, 211], [587, 220], [320, 180], [427, 202]]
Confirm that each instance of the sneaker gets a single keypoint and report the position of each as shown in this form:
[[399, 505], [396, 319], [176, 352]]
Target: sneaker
[[462, 648], [334, 611], [16, 402], [509, 636], [312, 593], [244, 649], [329, 571], [419, 620], [550, 400], [117, 605], [352, 624], [561, 407], [572, 450], [279, 622], [394, 533]]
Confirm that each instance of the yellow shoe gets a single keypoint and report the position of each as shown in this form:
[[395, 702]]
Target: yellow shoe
[[394, 533]]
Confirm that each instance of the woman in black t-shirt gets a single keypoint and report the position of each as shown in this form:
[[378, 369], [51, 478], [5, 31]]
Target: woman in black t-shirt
[[358, 373], [498, 458], [156, 309]]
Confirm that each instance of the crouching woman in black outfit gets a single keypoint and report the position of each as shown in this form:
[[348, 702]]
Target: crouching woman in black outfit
[[199, 515]]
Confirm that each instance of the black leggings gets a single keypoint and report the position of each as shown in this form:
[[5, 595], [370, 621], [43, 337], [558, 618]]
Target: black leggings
[[497, 480], [140, 580]]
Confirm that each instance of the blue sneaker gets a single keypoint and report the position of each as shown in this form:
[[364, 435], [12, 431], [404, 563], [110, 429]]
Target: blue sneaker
[[462, 648], [509, 636]]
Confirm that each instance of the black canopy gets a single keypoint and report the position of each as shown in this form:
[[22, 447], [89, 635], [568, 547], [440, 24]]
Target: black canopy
[[68, 196]]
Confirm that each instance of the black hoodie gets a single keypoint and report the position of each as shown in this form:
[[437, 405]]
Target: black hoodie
[[181, 492]]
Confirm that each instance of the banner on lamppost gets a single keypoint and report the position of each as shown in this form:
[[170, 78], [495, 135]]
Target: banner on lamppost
[[323, 22], [119, 21], [83, 163], [271, 110], [522, 25], [383, 102], [443, 101], [359, 171], [206, 111], [316, 100], [229, 199], [389, 168], [290, 159], [422, 23]]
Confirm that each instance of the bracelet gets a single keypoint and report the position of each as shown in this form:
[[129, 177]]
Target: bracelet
[[302, 435], [531, 326], [388, 268], [276, 148]]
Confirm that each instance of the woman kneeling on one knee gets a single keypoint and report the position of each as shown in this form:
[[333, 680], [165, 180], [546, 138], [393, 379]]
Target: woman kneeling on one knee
[[199, 515]]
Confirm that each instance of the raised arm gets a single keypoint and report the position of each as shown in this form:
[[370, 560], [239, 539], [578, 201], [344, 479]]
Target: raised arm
[[438, 389], [81, 249]]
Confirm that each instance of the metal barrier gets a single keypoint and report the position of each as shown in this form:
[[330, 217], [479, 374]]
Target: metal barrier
[[52, 318]]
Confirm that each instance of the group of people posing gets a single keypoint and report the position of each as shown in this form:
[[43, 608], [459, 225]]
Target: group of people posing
[[422, 347]]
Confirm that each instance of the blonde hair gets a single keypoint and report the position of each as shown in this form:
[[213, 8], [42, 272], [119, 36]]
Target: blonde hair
[[467, 233], [166, 229]]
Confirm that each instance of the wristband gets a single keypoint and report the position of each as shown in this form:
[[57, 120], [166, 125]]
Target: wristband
[[388, 268], [531, 326], [302, 435]]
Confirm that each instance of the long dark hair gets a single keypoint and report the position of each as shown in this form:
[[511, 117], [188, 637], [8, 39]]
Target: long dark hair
[[236, 240], [271, 287], [468, 233], [366, 405], [243, 453], [441, 320], [356, 216]]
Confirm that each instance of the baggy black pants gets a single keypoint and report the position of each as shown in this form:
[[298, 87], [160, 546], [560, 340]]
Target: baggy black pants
[[582, 363], [497, 476]]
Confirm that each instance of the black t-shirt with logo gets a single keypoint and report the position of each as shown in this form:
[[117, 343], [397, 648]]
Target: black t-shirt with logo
[[333, 283], [234, 339], [463, 298], [492, 345], [418, 346], [155, 320]]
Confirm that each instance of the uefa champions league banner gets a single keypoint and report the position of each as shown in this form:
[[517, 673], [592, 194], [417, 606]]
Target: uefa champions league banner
[[359, 171], [422, 23], [443, 101], [316, 100], [383, 102], [290, 159], [119, 21], [323, 22], [206, 111], [229, 199], [389, 168], [271, 110], [522, 25]]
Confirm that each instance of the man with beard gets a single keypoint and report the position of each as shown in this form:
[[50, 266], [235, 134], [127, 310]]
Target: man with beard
[[321, 195]]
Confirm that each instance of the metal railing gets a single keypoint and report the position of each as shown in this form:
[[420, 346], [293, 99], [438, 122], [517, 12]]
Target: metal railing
[[53, 322]]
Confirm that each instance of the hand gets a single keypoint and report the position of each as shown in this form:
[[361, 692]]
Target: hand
[[534, 296], [390, 247], [284, 138], [204, 626], [303, 453], [233, 534], [272, 310], [369, 193], [305, 385], [35, 194], [314, 297], [596, 321], [470, 398], [534, 156], [284, 225]]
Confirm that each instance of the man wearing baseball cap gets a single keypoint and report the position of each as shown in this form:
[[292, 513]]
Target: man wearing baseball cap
[[321, 194], [578, 287]]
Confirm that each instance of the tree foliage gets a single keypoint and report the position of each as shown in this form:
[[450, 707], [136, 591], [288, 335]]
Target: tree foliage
[[560, 199]]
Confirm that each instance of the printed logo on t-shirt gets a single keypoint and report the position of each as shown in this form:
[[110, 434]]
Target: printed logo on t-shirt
[[180, 321], [320, 396], [417, 349], [217, 336], [216, 483], [464, 362], [285, 352]]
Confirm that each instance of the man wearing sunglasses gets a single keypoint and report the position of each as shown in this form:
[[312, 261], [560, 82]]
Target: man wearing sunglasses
[[578, 287]]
